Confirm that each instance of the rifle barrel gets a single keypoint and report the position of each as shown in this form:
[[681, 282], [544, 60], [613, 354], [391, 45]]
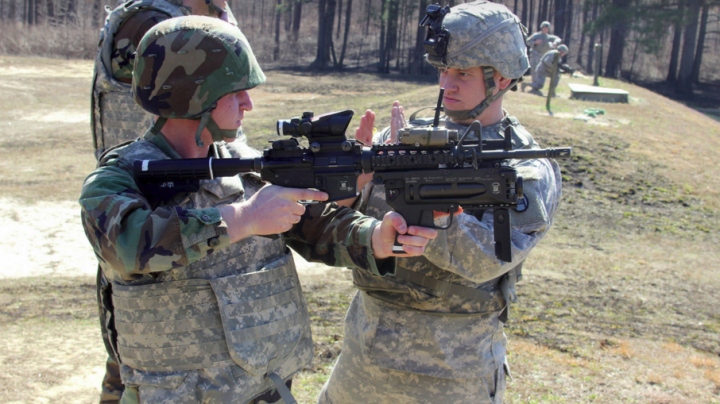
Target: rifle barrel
[[562, 152]]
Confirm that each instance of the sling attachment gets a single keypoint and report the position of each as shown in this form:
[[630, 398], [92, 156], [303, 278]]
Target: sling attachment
[[282, 389], [507, 286]]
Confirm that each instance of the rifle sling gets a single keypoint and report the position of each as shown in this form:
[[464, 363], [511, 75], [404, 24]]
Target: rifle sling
[[440, 288]]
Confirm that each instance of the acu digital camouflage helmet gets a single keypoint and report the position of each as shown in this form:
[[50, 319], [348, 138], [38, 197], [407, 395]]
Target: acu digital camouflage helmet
[[483, 34], [184, 65]]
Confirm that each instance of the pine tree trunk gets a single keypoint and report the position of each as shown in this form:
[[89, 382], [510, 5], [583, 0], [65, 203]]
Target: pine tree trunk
[[339, 18], [417, 64], [560, 12], [524, 17], [543, 14], [700, 44], [320, 55], [278, 12], [287, 16], [531, 25], [687, 57], [676, 44], [383, 27], [569, 17], [297, 17], [586, 10], [617, 41], [348, 18]]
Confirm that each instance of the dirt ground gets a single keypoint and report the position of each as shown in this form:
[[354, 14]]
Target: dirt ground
[[618, 304]]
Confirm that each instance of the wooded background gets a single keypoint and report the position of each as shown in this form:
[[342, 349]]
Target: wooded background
[[649, 40]]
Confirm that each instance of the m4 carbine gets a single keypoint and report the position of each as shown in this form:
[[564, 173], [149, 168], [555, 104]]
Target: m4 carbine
[[429, 170]]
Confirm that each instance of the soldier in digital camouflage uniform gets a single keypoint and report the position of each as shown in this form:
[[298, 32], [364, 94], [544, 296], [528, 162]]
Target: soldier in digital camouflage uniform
[[539, 43], [545, 69], [202, 309], [115, 116], [433, 332]]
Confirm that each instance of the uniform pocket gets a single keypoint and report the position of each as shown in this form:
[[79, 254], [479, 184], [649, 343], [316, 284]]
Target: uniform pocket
[[263, 315], [457, 347]]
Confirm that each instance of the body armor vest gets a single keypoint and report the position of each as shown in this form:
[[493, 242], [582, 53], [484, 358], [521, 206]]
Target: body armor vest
[[241, 305], [115, 115]]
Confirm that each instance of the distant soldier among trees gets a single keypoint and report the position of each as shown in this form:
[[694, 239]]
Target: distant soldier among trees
[[539, 44]]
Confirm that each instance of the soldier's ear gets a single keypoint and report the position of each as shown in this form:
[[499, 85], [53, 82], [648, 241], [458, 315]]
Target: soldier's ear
[[503, 82]]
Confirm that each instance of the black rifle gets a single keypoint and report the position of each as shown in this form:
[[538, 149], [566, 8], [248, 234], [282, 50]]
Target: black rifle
[[429, 170]]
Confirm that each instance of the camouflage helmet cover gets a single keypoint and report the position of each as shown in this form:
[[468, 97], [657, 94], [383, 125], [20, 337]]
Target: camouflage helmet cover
[[185, 65], [482, 33], [545, 24], [563, 49]]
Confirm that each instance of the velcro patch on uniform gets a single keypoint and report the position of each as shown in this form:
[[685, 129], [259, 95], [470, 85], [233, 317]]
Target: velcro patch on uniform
[[529, 173]]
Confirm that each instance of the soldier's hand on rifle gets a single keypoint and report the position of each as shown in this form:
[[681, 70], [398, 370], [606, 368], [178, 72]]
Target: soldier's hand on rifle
[[364, 133], [413, 239], [272, 210], [539, 41], [397, 122]]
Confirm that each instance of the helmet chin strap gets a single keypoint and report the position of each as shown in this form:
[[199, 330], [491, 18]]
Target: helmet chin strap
[[464, 115], [218, 135]]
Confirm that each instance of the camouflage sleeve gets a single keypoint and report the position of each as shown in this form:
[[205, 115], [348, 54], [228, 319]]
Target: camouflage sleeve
[[547, 60], [555, 40], [127, 234], [337, 236], [127, 39], [531, 40], [467, 248]]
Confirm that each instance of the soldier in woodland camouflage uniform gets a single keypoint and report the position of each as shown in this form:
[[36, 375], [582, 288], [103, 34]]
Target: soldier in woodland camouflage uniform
[[202, 309], [433, 332], [115, 116], [545, 69], [539, 43]]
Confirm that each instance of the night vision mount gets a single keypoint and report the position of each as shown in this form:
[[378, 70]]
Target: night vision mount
[[436, 39]]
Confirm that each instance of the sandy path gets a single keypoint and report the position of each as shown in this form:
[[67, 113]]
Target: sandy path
[[47, 238]]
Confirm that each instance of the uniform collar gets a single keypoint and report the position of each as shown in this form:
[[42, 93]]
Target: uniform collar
[[162, 144]]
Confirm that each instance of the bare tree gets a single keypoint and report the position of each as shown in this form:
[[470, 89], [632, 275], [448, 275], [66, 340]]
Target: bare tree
[[348, 19], [326, 17], [684, 81], [677, 38], [700, 44], [416, 63], [297, 16], [530, 18], [618, 9], [339, 18], [278, 14]]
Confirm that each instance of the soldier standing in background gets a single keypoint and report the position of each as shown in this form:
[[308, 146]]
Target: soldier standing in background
[[433, 332], [539, 43], [115, 118], [204, 310], [545, 69]]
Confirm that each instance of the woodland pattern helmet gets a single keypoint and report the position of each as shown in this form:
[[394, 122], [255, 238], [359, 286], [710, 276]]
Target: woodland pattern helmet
[[185, 65], [545, 24], [563, 49]]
